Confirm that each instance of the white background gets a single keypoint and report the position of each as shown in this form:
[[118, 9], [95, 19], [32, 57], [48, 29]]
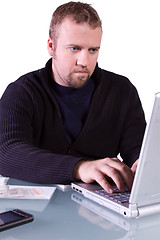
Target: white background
[[130, 45]]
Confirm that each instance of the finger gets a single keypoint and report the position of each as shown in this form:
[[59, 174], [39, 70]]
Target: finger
[[101, 180], [126, 174], [116, 178], [134, 167], [128, 179], [113, 174], [124, 171]]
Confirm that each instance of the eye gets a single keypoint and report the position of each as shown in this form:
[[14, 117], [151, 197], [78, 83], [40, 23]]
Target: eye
[[75, 49], [93, 50]]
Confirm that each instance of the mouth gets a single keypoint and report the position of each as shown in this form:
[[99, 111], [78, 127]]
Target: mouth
[[81, 72]]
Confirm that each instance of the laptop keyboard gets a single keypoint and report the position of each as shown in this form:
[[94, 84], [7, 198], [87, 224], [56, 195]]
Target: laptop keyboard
[[117, 196]]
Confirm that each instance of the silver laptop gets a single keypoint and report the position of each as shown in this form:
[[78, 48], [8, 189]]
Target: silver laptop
[[144, 198]]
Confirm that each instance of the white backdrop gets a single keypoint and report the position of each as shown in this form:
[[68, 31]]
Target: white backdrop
[[130, 45]]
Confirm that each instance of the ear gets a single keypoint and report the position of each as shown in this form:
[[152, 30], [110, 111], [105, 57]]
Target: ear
[[50, 46]]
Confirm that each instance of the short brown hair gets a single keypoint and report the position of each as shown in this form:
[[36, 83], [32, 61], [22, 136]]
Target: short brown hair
[[79, 12]]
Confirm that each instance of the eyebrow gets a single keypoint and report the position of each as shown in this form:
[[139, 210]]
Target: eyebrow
[[79, 46]]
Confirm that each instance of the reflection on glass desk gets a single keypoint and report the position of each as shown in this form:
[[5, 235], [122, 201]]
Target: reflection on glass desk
[[70, 216]]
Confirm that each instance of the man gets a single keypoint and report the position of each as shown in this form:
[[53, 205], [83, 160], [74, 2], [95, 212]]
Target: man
[[70, 120]]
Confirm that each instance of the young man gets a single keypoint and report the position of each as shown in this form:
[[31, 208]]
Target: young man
[[70, 120]]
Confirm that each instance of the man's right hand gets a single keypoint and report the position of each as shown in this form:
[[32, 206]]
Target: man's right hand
[[100, 170]]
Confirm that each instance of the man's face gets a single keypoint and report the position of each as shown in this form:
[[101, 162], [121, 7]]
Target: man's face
[[76, 53]]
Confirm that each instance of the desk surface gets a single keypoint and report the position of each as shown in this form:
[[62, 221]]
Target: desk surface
[[70, 216]]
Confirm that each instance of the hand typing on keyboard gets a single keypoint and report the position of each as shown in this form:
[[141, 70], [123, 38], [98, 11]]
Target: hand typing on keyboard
[[98, 170]]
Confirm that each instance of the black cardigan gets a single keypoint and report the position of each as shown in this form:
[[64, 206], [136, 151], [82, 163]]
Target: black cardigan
[[33, 146]]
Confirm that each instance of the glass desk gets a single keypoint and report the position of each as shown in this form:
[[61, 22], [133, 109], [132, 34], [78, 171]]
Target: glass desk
[[70, 216]]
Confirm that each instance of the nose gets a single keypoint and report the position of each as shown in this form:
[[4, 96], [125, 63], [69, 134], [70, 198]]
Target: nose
[[83, 58]]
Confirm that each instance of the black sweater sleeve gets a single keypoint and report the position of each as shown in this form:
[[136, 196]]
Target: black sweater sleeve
[[20, 158]]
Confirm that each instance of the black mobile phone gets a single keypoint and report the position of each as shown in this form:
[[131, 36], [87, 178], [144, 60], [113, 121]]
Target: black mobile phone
[[14, 218]]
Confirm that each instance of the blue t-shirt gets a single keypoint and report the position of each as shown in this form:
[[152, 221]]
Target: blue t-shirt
[[74, 105]]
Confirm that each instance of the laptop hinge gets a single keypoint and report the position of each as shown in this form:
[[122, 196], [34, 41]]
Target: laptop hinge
[[134, 210]]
